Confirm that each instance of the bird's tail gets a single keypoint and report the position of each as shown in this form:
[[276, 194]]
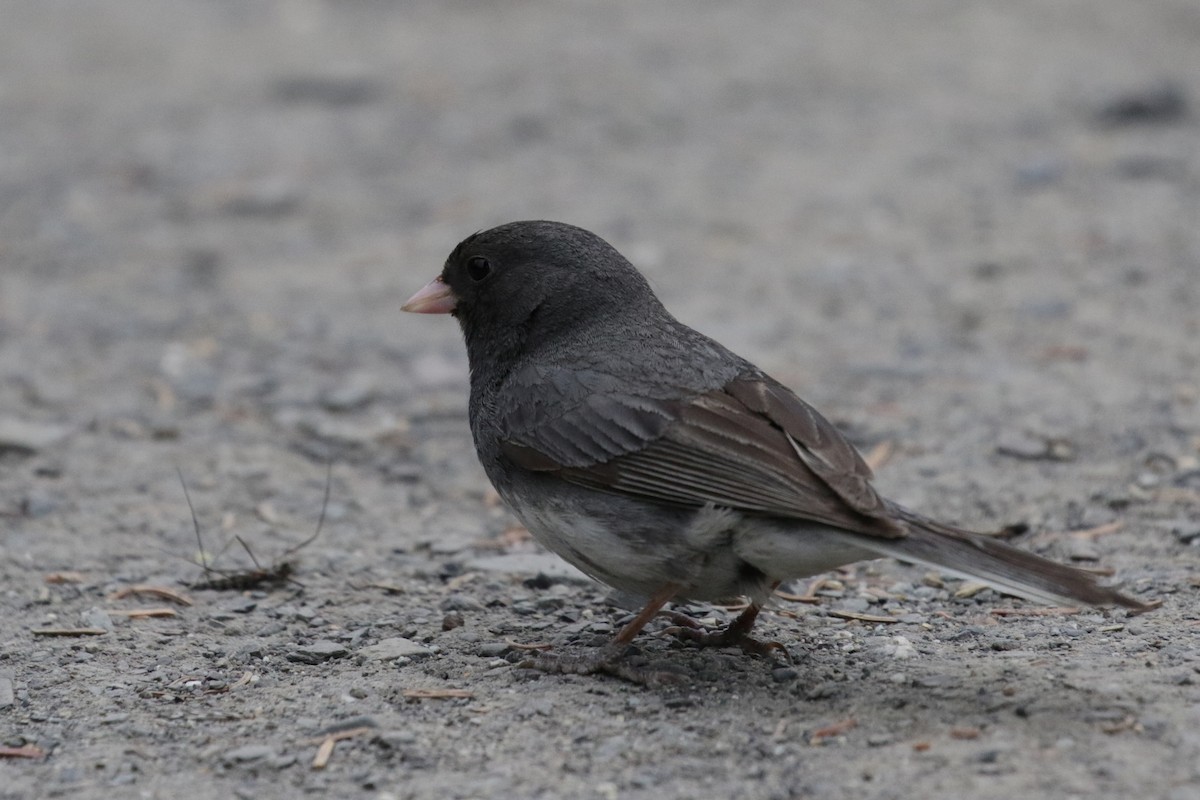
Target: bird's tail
[[975, 556]]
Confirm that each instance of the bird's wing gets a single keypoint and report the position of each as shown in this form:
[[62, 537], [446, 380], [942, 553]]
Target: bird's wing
[[751, 445]]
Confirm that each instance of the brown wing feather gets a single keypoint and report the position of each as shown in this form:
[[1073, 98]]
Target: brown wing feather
[[751, 446]]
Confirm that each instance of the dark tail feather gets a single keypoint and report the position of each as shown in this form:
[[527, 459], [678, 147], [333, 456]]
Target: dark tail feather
[[971, 555]]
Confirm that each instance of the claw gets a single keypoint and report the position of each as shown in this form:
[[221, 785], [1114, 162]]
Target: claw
[[729, 637]]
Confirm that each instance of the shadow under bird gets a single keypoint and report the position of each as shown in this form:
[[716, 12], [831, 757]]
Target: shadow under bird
[[662, 464]]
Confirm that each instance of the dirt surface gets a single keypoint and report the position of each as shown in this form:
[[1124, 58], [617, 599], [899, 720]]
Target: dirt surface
[[970, 233]]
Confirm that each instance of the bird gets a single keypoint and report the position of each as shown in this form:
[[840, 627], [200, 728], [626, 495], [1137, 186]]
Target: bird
[[662, 464]]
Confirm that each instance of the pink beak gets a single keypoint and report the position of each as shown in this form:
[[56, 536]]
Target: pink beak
[[435, 298]]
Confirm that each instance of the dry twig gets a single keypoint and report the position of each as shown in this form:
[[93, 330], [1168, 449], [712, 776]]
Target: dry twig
[[325, 751], [830, 731], [854, 615], [161, 592]]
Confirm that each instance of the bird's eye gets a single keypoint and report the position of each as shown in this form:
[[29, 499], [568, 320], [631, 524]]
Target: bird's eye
[[478, 268]]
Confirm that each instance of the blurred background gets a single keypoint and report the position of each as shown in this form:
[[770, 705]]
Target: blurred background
[[211, 203], [969, 229]]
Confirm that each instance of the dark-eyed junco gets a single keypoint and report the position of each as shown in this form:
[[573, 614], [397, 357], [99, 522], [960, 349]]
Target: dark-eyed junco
[[657, 461]]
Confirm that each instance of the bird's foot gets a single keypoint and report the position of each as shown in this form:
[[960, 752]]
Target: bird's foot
[[736, 634], [607, 660]]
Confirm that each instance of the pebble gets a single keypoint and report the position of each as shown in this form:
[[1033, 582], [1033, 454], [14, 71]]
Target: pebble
[[461, 602], [326, 90], [241, 605], [248, 754], [1031, 447], [316, 652], [493, 649], [7, 694], [392, 649], [899, 648], [264, 198], [38, 503], [784, 674], [97, 618], [350, 724], [1079, 549], [1153, 104], [29, 437], [357, 392], [1186, 532], [855, 604], [395, 738], [453, 620]]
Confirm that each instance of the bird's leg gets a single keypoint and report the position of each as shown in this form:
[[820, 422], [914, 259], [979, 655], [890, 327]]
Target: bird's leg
[[735, 634], [608, 659]]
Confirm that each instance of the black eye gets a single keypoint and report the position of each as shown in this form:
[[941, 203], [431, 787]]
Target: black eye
[[478, 268]]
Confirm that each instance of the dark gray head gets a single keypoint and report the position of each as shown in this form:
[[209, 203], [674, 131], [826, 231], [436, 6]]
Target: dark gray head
[[523, 284]]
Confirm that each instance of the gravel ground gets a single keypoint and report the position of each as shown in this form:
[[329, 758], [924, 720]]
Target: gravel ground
[[968, 232]]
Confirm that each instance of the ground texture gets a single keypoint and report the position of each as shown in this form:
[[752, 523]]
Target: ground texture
[[969, 232]]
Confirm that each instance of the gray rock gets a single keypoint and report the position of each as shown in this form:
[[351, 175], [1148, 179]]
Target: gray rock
[[493, 649], [97, 618], [316, 652], [7, 695], [29, 437], [39, 503], [248, 754], [355, 393], [392, 649]]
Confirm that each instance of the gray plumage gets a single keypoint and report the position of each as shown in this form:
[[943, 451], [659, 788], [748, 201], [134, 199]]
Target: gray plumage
[[649, 455]]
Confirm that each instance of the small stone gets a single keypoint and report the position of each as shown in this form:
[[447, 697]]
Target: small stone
[[326, 90], [97, 618], [395, 738], [493, 649], [27, 437], [1079, 549], [392, 649], [248, 754], [1153, 104], [39, 503], [241, 605], [452, 620], [1186, 532], [264, 198], [355, 393], [856, 605], [350, 724], [461, 602], [784, 674], [7, 694], [281, 761], [1033, 447], [316, 652], [899, 648]]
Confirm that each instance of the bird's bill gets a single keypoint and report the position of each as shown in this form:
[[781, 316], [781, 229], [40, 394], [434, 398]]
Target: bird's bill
[[435, 298]]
